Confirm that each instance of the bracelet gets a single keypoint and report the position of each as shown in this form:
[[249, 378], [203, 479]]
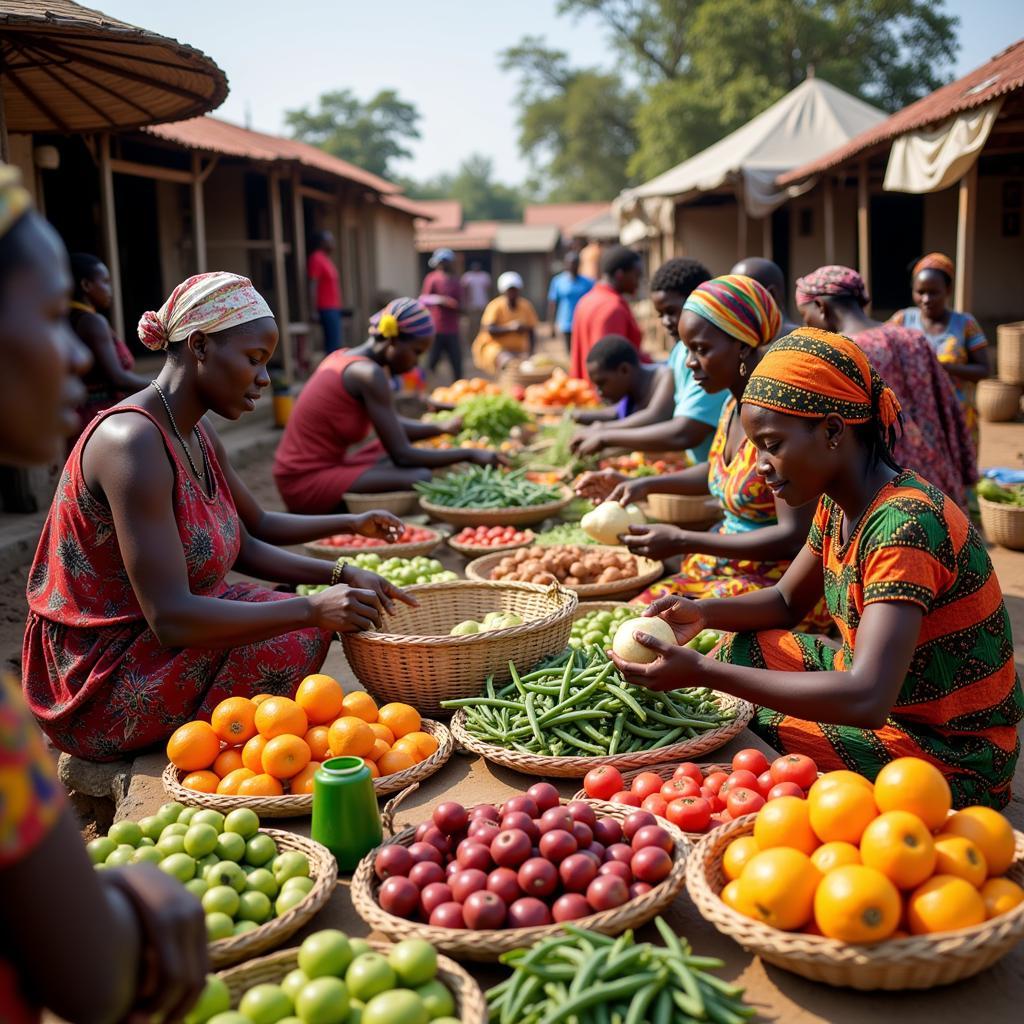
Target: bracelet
[[338, 571]]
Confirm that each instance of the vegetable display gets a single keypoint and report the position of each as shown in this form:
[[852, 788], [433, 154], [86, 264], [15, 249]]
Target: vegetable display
[[577, 704], [403, 572], [491, 621], [565, 533], [491, 416], [589, 978], [609, 521], [463, 389], [597, 629], [992, 491], [410, 535], [638, 464], [560, 391], [487, 487], [569, 564], [492, 536]]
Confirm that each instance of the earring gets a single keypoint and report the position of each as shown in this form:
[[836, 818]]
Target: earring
[[743, 367]]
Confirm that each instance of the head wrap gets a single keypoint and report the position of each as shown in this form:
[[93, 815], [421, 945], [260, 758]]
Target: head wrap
[[935, 261], [510, 279], [831, 280], [441, 256], [813, 373], [402, 316], [738, 305], [15, 199], [208, 303]]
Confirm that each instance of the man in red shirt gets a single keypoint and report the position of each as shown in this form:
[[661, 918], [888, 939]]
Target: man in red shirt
[[325, 289], [604, 309], [441, 293]]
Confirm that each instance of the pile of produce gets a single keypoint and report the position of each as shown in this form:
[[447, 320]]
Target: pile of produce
[[490, 622], [463, 389], [560, 391], [641, 464], [491, 416], [445, 442], [577, 704], [992, 491], [403, 572], [566, 533], [696, 802], [235, 870], [410, 535], [269, 745], [863, 863], [492, 536], [570, 564], [339, 980], [528, 863], [591, 978], [597, 629], [487, 487]]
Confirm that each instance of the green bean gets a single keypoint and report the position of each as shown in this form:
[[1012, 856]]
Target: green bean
[[620, 721], [572, 741], [599, 993], [628, 700]]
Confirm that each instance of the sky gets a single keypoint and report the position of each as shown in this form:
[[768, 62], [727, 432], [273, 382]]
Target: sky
[[442, 56]]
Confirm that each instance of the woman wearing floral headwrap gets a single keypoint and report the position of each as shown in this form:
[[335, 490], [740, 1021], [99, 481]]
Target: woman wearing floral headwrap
[[324, 452], [925, 667], [133, 627]]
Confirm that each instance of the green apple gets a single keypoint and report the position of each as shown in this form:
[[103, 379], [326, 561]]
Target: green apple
[[204, 864], [206, 816], [176, 828], [323, 1001], [292, 982], [171, 844], [261, 880], [219, 926], [188, 814], [198, 887], [414, 961], [100, 849], [171, 810], [214, 999], [147, 855], [437, 999], [359, 947], [355, 1012], [230, 846], [290, 1020], [200, 840], [290, 864], [304, 885], [254, 906], [446, 1020], [227, 873], [287, 900], [146, 841], [221, 899], [125, 832], [241, 927], [152, 826], [231, 1017], [260, 850], [325, 953], [179, 865], [121, 856], [265, 1004], [398, 1005], [242, 821], [368, 975], [467, 628]]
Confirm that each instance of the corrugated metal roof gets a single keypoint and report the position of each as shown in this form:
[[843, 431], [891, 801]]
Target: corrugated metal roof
[[413, 207], [527, 238], [473, 235], [563, 215]]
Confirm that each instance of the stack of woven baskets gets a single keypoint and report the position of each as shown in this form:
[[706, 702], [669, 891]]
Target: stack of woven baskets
[[999, 399]]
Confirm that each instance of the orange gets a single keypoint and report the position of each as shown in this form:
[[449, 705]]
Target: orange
[[394, 761], [252, 754], [898, 844], [227, 761], [317, 740], [359, 704], [957, 855], [785, 822], [841, 812], [233, 720], [382, 732], [410, 747], [281, 716], [401, 719], [830, 779], [942, 904], [989, 831], [193, 746], [425, 743], [732, 896], [374, 770], [261, 785], [303, 782], [260, 698], [320, 697], [285, 756], [229, 783], [1000, 896], [910, 784], [201, 782], [830, 856], [350, 735], [737, 853], [778, 886], [857, 904], [380, 748]]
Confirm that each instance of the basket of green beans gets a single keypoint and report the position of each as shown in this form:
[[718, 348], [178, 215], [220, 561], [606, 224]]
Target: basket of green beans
[[575, 711]]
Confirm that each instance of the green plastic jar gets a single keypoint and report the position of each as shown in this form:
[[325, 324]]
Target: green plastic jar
[[346, 818]]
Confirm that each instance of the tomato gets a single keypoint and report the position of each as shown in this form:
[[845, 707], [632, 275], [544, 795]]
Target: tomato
[[690, 813], [689, 770], [785, 789], [646, 783], [714, 780], [676, 788], [751, 759], [717, 803], [743, 801], [656, 804], [741, 779], [798, 768], [625, 797], [764, 783], [603, 782]]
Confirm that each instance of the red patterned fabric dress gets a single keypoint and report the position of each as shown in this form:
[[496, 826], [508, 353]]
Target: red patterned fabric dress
[[94, 674]]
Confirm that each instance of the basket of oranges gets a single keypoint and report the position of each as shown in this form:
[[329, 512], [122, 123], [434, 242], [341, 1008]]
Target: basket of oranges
[[870, 886], [262, 752]]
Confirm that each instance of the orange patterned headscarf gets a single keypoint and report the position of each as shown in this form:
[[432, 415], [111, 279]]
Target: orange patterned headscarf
[[813, 373], [935, 261]]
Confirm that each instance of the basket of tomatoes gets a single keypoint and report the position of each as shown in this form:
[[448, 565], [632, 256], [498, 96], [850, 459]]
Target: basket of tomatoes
[[413, 541], [474, 541]]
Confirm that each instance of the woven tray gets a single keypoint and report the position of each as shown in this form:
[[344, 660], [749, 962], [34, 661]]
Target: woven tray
[[997, 401], [417, 662], [470, 1004], [1010, 339], [401, 503], [324, 870], [485, 946], [922, 961], [684, 509], [576, 767], [648, 570], [526, 516], [476, 551], [299, 805], [411, 550], [1002, 524], [513, 377]]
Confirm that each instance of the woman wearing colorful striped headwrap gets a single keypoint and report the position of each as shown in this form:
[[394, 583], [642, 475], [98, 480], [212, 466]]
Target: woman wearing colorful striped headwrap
[[324, 453], [925, 667]]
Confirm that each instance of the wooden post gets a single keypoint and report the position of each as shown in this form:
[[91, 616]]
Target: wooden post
[[766, 237], [280, 277], [741, 226], [828, 198], [4, 146], [198, 215], [864, 224], [109, 216], [965, 222], [299, 241]]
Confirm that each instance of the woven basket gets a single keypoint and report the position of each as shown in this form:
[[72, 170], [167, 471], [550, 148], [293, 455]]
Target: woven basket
[[648, 570], [323, 868], [417, 662], [470, 1005], [576, 767], [1002, 524], [684, 509], [476, 550], [997, 401], [300, 805], [401, 503], [1010, 341], [411, 550], [528, 515], [513, 377], [486, 946], [922, 961]]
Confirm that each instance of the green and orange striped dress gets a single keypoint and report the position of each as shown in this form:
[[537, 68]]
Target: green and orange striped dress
[[961, 702]]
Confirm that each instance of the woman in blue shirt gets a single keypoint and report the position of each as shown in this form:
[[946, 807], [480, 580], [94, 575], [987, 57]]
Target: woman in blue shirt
[[567, 288]]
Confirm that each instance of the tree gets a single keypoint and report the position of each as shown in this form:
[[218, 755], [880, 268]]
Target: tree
[[369, 135], [473, 185]]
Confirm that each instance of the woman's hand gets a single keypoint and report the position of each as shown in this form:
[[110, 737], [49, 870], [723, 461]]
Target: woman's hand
[[452, 426], [598, 484], [384, 525], [346, 610], [485, 457], [682, 613], [586, 442], [387, 593], [657, 540], [674, 667], [632, 490]]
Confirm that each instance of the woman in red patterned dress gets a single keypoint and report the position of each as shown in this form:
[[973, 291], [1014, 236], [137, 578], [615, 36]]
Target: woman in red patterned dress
[[133, 627]]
